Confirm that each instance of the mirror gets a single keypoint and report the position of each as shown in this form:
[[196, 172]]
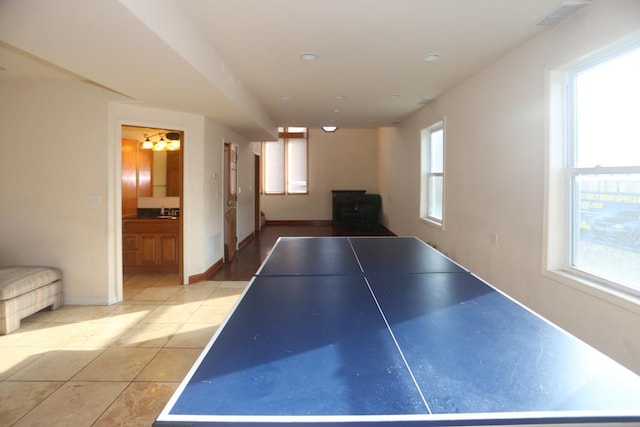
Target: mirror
[[158, 173]]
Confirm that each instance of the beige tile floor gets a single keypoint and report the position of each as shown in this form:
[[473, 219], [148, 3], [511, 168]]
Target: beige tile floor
[[112, 365]]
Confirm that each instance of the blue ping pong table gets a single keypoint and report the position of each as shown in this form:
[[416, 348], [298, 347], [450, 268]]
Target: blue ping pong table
[[387, 331]]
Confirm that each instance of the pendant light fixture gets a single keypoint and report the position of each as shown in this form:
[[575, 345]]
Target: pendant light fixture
[[160, 145], [147, 144]]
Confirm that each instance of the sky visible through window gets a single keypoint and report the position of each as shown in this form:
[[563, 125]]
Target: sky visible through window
[[608, 107]]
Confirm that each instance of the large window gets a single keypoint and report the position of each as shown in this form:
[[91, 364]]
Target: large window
[[602, 172], [432, 174], [284, 162]]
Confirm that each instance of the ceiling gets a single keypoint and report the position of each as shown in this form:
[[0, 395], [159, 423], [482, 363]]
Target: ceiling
[[239, 61]]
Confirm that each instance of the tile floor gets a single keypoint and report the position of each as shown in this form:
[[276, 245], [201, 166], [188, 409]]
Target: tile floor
[[109, 365]]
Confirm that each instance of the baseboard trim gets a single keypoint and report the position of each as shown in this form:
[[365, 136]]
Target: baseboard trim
[[314, 222], [210, 272], [390, 233], [246, 240], [317, 222]]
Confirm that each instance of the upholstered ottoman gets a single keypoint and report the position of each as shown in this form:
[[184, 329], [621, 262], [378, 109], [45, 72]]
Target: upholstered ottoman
[[26, 290]]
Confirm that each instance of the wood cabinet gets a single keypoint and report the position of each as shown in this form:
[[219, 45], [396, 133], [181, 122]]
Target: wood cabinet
[[151, 245]]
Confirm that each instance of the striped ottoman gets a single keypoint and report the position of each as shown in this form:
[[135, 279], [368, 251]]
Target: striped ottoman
[[26, 290]]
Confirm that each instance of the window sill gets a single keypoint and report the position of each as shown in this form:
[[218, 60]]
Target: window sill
[[438, 225], [621, 299]]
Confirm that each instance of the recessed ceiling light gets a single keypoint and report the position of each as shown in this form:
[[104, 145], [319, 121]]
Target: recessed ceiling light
[[394, 96], [431, 57], [339, 97], [285, 98], [329, 128], [309, 56], [335, 110]]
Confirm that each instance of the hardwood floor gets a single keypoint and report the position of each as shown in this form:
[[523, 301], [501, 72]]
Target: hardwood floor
[[247, 260]]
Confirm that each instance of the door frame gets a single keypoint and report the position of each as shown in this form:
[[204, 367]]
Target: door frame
[[230, 234], [257, 186], [131, 123]]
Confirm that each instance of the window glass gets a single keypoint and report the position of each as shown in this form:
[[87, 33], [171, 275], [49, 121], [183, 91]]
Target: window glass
[[273, 160], [435, 197], [607, 99], [297, 165], [604, 170], [436, 155]]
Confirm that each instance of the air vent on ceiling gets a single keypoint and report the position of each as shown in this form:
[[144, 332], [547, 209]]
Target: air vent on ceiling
[[562, 12]]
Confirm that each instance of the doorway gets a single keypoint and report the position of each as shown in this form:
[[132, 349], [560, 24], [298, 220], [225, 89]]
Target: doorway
[[230, 200], [152, 202]]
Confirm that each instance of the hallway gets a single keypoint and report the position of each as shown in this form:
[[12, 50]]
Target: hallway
[[248, 259]]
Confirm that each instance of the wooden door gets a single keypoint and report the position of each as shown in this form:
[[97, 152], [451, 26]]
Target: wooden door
[[230, 199], [256, 193]]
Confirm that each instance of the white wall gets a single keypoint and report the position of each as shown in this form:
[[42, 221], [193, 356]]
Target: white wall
[[344, 160], [495, 175], [213, 196], [60, 183], [54, 160]]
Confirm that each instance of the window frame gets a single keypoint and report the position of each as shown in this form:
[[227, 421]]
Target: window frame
[[284, 135], [562, 192], [427, 175]]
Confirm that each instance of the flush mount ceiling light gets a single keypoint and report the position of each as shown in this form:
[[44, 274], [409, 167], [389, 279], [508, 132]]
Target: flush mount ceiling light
[[309, 56], [329, 129]]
